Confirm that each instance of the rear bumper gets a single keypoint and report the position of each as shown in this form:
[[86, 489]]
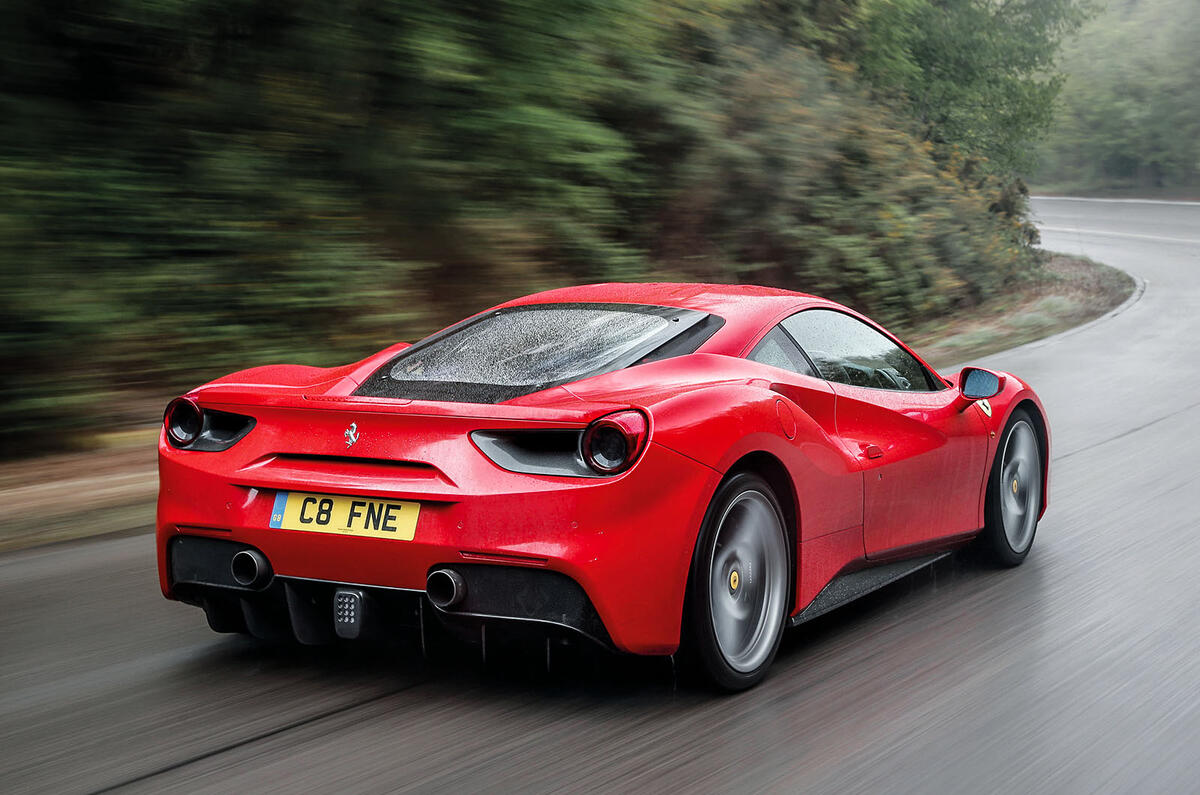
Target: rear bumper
[[626, 541], [314, 612]]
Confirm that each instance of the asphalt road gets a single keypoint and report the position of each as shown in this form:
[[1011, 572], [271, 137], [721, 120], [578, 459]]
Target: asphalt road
[[1078, 672]]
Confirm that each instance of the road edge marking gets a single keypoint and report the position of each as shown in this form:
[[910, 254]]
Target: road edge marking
[[1175, 202]]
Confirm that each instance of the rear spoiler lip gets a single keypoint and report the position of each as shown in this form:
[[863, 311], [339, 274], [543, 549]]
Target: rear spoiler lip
[[567, 409]]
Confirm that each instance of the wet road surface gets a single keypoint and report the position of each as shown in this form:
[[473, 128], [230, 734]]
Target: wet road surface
[[1077, 672]]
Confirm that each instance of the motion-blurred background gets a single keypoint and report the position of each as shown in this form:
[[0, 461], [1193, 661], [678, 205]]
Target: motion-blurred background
[[196, 186], [191, 187]]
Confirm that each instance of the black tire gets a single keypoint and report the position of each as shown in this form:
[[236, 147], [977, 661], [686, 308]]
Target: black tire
[[999, 541], [743, 511]]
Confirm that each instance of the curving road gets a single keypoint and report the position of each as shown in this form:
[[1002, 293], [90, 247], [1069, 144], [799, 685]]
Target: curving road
[[1078, 672]]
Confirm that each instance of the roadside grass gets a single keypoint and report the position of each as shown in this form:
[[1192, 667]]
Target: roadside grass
[[111, 487], [108, 488], [1069, 292]]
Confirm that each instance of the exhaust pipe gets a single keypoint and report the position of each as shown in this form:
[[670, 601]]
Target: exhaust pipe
[[250, 568], [445, 588]]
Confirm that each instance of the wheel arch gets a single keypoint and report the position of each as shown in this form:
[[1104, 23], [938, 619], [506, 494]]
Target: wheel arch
[[1039, 424]]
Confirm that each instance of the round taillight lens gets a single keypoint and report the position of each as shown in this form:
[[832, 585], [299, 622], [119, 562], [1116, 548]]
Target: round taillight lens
[[183, 420], [612, 443]]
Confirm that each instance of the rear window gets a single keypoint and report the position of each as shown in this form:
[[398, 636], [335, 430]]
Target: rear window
[[512, 352]]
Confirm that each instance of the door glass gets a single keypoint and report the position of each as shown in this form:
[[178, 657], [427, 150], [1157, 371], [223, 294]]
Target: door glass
[[848, 351], [778, 350]]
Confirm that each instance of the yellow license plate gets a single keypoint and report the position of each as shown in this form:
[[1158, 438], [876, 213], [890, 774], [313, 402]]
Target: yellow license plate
[[350, 516]]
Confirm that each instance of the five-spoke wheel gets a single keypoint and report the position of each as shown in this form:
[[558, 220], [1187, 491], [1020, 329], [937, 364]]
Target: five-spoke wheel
[[740, 592], [1014, 497]]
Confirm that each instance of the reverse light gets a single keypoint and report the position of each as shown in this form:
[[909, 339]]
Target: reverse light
[[612, 443], [183, 420]]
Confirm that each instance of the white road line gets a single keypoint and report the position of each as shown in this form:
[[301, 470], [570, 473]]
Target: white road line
[[1115, 201], [1076, 231]]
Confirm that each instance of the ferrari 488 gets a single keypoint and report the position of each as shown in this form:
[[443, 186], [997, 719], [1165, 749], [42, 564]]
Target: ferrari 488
[[659, 468]]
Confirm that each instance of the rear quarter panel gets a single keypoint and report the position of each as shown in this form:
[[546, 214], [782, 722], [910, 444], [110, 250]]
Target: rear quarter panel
[[719, 425]]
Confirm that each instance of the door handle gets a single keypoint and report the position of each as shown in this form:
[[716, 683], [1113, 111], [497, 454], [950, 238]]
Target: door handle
[[873, 451]]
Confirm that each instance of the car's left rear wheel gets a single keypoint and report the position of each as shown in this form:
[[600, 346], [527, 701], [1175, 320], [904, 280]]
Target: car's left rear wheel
[[739, 587]]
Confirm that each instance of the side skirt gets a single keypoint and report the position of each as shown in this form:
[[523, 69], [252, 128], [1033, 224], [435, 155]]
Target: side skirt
[[849, 587]]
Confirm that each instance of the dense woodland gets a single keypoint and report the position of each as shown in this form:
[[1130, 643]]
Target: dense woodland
[[1130, 106], [195, 186]]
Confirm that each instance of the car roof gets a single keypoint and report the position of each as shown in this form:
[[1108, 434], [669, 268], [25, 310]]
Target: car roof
[[746, 308], [686, 295]]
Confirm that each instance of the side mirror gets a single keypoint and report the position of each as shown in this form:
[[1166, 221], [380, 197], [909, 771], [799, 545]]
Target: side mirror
[[977, 384]]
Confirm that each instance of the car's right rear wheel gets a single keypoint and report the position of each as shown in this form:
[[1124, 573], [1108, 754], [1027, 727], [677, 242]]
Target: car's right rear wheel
[[738, 588]]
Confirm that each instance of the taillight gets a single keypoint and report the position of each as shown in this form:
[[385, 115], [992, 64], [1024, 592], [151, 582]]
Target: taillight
[[612, 443], [183, 420], [203, 430]]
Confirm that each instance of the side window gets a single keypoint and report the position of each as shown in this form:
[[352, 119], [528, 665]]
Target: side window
[[778, 350], [849, 351]]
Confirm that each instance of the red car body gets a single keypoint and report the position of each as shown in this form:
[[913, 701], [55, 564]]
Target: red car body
[[864, 475]]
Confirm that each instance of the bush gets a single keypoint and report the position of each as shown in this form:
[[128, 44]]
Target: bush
[[195, 187]]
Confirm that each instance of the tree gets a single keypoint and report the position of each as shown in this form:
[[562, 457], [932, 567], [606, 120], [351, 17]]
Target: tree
[[1130, 113], [195, 186], [979, 74]]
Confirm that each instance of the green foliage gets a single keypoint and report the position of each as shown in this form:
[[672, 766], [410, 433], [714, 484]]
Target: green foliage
[[794, 177], [1131, 103], [973, 74], [191, 187], [976, 73]]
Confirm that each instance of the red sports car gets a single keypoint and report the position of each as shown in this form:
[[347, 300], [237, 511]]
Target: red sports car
[[660, 468]]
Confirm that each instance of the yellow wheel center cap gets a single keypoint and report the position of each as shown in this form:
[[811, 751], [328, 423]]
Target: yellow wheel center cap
[[734, 580], [1014, 485]]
